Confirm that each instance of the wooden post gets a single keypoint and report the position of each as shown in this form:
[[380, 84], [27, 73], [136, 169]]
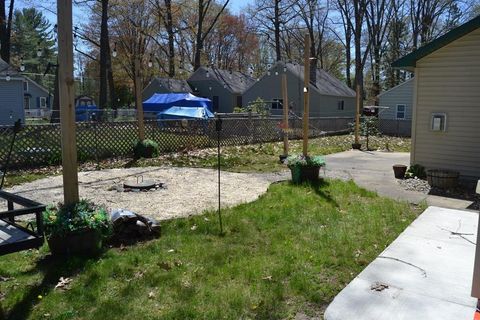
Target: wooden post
[[138, 100], [285, 113], [306, 94], [358, 103], [66, 96]]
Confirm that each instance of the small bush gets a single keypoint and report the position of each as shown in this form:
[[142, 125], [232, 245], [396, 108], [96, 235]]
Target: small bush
[[81, 216], [416, 170], [302, 161], [145, 149]]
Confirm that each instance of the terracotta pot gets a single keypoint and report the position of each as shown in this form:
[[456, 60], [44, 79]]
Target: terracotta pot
[[399, 171], [86, 242], [305, 174]]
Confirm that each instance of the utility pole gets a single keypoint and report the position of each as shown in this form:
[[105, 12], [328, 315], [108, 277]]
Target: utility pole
[[138, 100], [306, 94], [66, 95]]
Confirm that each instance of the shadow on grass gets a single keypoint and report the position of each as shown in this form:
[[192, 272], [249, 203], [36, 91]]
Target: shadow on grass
[[319, 187], [52, 269]]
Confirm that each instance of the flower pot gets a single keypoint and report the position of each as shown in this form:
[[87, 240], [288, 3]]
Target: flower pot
[[399, 171], [443, 179], [305, 173], [85, 242]]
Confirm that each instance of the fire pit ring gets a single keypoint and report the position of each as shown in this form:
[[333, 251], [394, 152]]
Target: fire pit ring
[[140, 184]]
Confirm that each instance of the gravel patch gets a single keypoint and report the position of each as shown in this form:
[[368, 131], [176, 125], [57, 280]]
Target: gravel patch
[[415, 184], [189, 191]]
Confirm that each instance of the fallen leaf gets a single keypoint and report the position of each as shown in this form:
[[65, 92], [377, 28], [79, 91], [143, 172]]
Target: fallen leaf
[[194, 227], [151, 295], [267, 278], [63, 283]]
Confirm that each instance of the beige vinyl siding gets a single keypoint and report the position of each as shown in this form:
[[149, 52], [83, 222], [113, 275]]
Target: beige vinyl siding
[[449, 82], [401, 94]]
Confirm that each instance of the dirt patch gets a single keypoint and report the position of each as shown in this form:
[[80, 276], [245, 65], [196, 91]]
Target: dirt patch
[[188, 191]]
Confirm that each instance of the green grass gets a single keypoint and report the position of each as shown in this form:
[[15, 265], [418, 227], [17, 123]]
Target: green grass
[[290, 251]]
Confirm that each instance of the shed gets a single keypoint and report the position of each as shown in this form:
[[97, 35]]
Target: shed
[[160, 102], [330, 97], [11, 95], [224, 87], [446, 101], [166, 85]]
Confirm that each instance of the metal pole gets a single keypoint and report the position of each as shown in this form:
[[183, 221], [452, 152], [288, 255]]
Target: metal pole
[[306, 94], [218, 127], [285, 113]]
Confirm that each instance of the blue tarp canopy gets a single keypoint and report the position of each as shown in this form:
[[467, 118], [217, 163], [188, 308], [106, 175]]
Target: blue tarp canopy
[[86, 112], [160, 102], [176, 112]]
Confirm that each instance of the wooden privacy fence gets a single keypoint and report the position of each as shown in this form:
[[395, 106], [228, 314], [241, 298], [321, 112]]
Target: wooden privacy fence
[[38, 145]]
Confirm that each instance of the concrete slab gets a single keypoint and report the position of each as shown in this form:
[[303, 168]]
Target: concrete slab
[[373, 171], [428, 270]]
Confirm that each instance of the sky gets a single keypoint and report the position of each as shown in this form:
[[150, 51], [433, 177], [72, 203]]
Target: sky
[[237, 5]]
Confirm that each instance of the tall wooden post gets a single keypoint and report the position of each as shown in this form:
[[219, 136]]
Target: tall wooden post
[[138, 100], [306, 94], [66, 98], [285, 113], [358, 103]]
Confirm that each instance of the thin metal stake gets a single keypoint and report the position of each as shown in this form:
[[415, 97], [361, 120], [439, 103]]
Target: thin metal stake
[[218, 126]]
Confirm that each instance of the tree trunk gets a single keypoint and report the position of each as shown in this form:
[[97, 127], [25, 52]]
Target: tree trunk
[[276, 23], [103, 98], [376, 74], [5, 30], [197, 63], [171, 39], [348, 55], [313, 60]]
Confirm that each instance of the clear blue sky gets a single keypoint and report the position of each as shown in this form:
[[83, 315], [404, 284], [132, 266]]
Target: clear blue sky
[[236, 6]]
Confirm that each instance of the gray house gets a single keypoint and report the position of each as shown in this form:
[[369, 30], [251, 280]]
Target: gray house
[[446, 101], [166, 85], [36, 99], [11, 95], [330, 97], [225, 88], [396, 106]]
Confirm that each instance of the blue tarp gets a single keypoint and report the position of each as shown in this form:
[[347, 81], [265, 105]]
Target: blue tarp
[[86, 113], [160, 102], [176, 112]]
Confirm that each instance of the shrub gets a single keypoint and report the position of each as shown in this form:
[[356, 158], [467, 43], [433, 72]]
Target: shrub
[[145, 149], [299, 160], [416, 170], [81, 216]]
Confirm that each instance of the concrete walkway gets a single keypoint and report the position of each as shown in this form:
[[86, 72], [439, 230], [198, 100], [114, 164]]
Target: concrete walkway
[[373, 171], [425, 273]]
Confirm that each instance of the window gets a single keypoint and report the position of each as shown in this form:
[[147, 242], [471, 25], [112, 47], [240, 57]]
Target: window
[[26, 102], [43, 102], [239, 101], [341, 105], [401, 111], [439, 122], [25, 85], [277, 104]]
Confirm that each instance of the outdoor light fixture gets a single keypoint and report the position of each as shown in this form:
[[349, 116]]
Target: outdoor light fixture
[[8, 77], [207, 74], [285, 69], [276, 73], [114, 52], [268, 73], [39, 50], [251, 72], [150, 62], [305, 89], [22, 65]]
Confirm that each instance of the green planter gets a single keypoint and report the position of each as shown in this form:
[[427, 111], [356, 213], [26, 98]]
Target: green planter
[[305, 173], [87, 242]]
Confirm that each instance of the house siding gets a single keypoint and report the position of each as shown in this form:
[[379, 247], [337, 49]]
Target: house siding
[[401, 94], [269, 88], [35, 93], [227, 99], [11, 101], [449, 82]]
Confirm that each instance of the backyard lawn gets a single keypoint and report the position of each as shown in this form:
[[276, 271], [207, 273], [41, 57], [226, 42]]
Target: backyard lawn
[[247, 158], [289, 252]]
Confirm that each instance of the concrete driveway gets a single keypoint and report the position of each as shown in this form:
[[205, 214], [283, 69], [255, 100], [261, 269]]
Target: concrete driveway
[[373, 171]]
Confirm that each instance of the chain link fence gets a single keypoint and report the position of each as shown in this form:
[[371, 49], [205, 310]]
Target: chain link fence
[[39, 144]]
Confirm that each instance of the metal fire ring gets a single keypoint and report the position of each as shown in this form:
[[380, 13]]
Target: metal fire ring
[[140, 184]]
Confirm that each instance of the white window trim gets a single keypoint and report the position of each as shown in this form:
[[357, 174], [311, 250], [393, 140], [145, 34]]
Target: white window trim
[[44, 104], [404, 111]]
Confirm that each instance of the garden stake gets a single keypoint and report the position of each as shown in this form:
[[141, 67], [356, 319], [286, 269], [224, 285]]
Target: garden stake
[[218, 127]]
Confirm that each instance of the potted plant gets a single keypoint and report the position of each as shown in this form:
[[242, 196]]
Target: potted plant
[[399, 171], [305, 168], [79, 228]]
